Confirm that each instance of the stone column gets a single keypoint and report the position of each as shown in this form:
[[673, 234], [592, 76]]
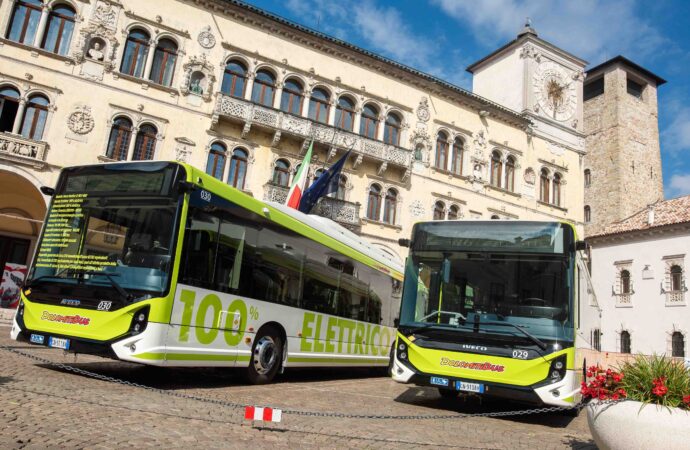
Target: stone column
[[305, 105], [19, 117], [149, 60], [331, 114], [381, 128], [132, 142], [357, 120], [278, 98], [502, 182], [41, 30], [249, 88]]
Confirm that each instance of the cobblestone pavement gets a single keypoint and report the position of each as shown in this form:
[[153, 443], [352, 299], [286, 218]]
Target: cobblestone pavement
[[44, 407]]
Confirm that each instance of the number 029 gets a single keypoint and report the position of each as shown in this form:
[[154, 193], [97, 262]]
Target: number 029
[[520, 354]]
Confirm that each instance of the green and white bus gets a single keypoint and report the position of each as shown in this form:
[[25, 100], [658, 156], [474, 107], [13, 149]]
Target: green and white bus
[[490, 308], [159, 263]]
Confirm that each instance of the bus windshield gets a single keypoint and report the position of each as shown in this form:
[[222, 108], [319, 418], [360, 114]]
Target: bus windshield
[[480, 289], [109, 226]]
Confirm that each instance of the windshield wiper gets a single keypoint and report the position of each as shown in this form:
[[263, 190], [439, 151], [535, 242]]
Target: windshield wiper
[[529, 335], [111, 277]]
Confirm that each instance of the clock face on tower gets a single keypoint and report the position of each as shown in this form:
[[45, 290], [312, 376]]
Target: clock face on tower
[[555, 91]]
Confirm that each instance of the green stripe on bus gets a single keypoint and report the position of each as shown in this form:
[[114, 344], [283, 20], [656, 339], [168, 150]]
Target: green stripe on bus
[[308, 359]]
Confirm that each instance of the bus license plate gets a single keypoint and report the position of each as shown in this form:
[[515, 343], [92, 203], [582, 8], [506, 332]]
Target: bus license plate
[[37, 339], [58, 343], [469, 387]]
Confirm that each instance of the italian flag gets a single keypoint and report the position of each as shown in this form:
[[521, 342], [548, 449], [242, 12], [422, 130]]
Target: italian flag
[[297, 188]]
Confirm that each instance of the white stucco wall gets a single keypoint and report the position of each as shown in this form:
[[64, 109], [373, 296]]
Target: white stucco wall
[[648, 318]]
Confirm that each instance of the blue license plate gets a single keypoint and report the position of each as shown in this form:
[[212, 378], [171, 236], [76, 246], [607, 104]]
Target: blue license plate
[[438, 381], [469, 387], [37, 339], [58, 343]]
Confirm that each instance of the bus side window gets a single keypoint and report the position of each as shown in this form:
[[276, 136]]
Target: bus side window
[[230, 257], [277, 269], [196, 267]]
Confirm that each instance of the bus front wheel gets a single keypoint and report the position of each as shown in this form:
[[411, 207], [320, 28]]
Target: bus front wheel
[[267, 355]]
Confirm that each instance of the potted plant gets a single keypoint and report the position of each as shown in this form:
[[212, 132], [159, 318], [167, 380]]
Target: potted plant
[[644, 403]]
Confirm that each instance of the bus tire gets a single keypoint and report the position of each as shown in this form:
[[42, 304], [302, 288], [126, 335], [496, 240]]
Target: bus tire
[[267, 356], [390, 362], [448, 394]]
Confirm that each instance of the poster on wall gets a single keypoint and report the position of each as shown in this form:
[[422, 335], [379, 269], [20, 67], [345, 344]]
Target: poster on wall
[[12, 279]]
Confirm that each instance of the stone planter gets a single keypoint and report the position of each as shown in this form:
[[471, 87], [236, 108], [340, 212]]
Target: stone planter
[[625, 426]]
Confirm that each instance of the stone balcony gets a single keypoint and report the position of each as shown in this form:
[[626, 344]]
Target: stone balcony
[[22, 150], [343, 212], [250, 114]]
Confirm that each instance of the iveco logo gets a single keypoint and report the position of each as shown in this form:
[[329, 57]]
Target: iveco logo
[[70, 302], [474, 347]]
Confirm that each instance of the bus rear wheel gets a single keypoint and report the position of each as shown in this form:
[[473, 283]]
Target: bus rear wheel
[[266, 358]]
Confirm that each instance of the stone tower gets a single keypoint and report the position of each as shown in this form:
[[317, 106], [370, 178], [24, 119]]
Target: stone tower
[[622, 168]]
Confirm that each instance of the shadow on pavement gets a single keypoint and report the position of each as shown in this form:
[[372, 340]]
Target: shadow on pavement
[[209, 377], [473, 404]]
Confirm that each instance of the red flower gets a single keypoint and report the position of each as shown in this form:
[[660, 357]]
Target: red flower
[[659, 388], [686, 400]]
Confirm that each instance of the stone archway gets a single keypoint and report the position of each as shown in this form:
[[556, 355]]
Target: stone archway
[[22, 211]]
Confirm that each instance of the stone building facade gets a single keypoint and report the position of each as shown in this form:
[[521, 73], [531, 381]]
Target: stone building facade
[[235, 90], [623, 162]]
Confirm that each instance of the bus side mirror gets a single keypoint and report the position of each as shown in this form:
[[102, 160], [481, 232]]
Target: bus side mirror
[[49, 191], [396, 322], [581, 245], [404, 242], [186, 186]]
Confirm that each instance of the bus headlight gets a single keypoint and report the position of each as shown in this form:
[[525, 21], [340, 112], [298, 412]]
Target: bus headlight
[[557, 369], [402, 350], [139, 320]]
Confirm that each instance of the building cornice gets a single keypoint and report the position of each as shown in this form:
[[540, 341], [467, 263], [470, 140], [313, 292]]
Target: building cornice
[[637, 234]]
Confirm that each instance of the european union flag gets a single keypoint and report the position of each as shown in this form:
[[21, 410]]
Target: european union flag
[[326, 183]]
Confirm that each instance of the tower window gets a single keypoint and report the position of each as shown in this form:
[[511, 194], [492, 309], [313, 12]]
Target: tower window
[[635, 89], [593, 89]]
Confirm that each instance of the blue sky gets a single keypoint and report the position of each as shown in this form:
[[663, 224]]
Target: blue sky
[[442, 37]]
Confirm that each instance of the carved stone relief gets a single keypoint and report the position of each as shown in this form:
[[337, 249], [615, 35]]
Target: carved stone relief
[[199, 77], [205, 38], [81, 120], [423, 113], [417, 208], [530, 177]]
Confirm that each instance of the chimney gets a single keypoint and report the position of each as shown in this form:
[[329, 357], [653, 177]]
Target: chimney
[[650, 216]]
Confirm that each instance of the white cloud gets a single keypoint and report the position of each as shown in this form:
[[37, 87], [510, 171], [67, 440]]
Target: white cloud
[[676, 136], [678, 186], [592, 29]]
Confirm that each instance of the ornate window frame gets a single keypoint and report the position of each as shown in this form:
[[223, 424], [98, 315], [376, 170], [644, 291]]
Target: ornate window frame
[[623, 299], [674, 297]]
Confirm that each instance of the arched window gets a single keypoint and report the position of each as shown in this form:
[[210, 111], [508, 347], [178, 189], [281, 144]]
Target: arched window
[[291, 100], [25, 19], [145, 145], [374, 202], [238, 168], [118, 142], [215, 166], [369, 123], [35, 117], [281, 173], [510, 174], [625, 342], [390, 206], [264, 88], [441, 151], [234, 79], [495, 169], [345, 113], [557, 189], [677, 344], [588, 178], [439, 211], [391, 133], [676, 278], [456, 161], [318, 105], [625, 282], [595, 338], [136, 50], [342, 187], [495, 217], [544, 186], [164, 59], [9, 105], [58, 35], [588, 214], [454, 212]]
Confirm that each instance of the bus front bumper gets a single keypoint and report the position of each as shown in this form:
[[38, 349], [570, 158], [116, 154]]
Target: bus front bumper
[[564, 392]]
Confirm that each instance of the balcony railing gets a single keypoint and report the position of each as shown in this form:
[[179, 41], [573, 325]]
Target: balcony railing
[[22, 148], [341, 211], [250, 113]]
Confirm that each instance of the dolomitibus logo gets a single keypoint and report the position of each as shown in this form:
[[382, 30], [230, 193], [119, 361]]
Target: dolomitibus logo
[[77, 320], [472, 365]]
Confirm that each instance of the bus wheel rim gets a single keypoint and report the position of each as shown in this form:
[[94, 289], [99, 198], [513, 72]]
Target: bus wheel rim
[[265, 355]]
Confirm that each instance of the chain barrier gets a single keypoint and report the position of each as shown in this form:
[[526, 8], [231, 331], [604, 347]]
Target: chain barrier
[[297, 412]]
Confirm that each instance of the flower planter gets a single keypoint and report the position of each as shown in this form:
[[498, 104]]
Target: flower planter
[[624, 425]]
